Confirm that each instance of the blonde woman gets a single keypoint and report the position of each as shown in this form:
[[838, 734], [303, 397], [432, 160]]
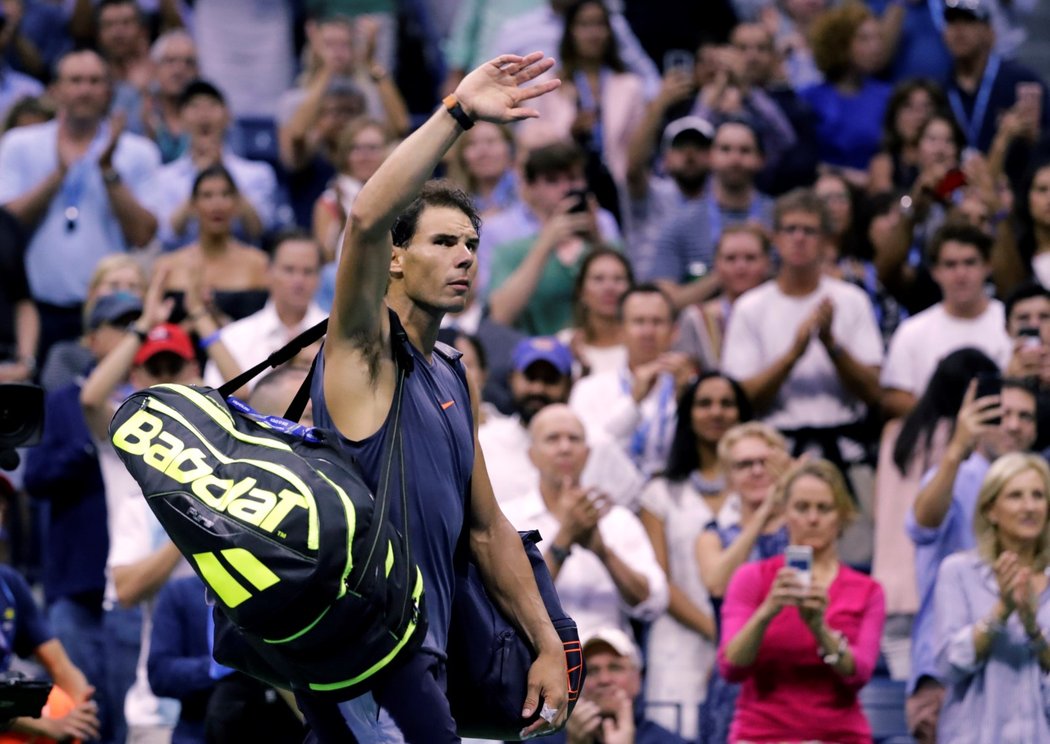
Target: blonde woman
[[992, 607], [482, 164], [752, 456], [362, 147], [802, 647]]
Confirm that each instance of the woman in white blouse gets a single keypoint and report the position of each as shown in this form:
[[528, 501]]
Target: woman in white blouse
[[993, 612]]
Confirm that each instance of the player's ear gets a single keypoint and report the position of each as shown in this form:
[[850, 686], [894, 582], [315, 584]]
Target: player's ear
[[396, 257]]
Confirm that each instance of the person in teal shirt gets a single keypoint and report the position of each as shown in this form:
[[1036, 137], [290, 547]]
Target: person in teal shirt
[[532, 276]]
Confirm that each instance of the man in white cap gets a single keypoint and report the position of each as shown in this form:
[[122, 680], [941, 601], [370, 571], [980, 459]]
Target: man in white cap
[[610, 709], [685, 149]]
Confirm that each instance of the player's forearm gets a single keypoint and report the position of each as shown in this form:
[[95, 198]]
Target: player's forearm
[[387, 193], [511, 582]]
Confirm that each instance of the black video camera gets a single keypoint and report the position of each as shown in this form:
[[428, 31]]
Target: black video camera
[[21, 697], [21, 420]]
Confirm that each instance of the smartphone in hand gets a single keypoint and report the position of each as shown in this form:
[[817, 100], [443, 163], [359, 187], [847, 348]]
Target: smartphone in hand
[[800, 558], [989, 383]]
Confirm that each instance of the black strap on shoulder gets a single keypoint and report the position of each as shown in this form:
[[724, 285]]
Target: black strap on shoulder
[[295, 409], [276, 359], [394, 450]]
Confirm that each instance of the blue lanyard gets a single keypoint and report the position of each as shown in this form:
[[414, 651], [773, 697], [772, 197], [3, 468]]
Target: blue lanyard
[[588, 101], [727, 307], [714, 216], [871, 285], [640, 437], [937, 14], [973, 124], [73, 184]]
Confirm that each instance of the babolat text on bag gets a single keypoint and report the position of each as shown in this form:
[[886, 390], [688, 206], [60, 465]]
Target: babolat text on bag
[[311, 580]]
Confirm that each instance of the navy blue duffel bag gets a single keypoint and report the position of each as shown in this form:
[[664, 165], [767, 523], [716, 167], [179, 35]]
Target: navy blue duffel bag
[[488, 660]]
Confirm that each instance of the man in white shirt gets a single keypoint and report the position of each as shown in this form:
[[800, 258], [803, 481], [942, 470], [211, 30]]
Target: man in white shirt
[[295, 268], [205, 118], [636, 405], [805, 346], [541, 376], [959, 260], [604, 566]]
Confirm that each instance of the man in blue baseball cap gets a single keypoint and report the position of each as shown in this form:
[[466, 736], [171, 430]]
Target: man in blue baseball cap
[[541, 376]]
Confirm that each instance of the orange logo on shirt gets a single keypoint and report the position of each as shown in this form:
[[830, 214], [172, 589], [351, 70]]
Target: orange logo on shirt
[[447, 405]]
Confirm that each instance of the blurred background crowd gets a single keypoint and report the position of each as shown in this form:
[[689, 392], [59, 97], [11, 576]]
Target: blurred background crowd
[[762, 273]]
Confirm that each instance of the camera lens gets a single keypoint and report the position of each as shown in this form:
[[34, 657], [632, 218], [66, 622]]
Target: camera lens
[[21, 415]]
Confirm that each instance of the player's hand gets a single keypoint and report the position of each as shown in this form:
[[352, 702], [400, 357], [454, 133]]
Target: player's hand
[[493, 91], [548, 691]]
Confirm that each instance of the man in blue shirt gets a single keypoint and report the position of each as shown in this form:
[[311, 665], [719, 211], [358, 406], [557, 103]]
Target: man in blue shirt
[[941, 522], [76, 182], [25, 632], [408, 258], [685, 249], [983, 85]]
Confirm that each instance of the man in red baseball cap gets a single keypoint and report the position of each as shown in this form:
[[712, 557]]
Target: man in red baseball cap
[[163, 357]]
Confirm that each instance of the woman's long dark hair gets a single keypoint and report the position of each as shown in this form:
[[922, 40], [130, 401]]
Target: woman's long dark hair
[[569, 60], [891, 140], [942, 400], [1024, 225], [684, 457], [579, 312], [213, 171]]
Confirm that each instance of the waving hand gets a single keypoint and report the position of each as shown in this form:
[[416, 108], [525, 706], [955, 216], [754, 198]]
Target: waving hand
[[494, 92]]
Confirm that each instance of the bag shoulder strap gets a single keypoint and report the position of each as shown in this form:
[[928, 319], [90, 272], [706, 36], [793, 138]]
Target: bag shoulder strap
[[277, 358]]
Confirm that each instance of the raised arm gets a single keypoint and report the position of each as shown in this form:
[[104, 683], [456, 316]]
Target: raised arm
[[935, 498], [358, 325], [113, 369]]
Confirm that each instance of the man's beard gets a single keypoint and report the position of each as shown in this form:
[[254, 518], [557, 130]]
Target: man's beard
[[530, 405], [690, 182]]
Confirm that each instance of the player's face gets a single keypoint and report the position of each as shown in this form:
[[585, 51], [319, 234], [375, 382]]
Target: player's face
[[438, 266]]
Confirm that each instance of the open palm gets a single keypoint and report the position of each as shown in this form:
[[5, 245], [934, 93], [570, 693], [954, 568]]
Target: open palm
[[493, 91]]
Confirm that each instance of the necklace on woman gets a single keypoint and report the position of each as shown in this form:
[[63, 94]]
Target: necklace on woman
[[707, 486]]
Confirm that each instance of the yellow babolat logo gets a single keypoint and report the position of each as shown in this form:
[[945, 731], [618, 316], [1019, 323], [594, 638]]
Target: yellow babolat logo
[[143, 435]]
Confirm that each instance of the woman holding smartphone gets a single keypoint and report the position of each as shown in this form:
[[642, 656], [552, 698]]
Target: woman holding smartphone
[[803, 651], [992, 607]]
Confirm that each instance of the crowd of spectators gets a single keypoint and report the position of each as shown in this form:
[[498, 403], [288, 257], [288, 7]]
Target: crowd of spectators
[[763, 273]]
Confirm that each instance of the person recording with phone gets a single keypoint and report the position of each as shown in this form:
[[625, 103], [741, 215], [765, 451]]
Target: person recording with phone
[[798, 645], [533, 274], [983, 85], [997, 417], [1028, 326]]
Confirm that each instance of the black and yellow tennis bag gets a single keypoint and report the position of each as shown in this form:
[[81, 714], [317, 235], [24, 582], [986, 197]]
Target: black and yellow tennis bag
[[315, 589]]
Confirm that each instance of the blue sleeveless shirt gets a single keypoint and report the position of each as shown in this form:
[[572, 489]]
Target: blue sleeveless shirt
[[437, 429]]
